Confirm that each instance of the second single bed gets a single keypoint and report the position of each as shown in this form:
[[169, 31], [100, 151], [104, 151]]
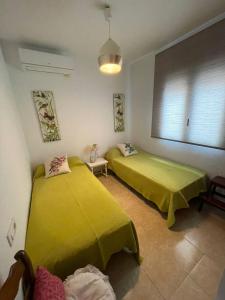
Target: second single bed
[[168, 184]]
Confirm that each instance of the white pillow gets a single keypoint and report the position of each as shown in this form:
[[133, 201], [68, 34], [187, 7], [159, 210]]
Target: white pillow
[[56, 165], [127, 149], [88, 283]]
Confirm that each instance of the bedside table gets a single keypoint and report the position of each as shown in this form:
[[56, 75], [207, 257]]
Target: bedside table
[[100, 162]]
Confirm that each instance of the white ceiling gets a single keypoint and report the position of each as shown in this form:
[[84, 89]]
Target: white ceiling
[[138, 26]]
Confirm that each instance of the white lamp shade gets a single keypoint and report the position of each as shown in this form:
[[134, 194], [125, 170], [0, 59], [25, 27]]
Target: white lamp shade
[[110, 59]]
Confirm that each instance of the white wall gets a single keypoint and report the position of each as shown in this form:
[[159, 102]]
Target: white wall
[[141, 84], [84, 108], [15, 173]]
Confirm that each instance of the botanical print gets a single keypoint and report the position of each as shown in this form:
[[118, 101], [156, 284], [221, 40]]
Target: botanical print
[[118, 105], [44, 102], [56, 163]]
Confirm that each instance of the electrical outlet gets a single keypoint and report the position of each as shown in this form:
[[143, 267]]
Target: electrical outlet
[[11, 232]]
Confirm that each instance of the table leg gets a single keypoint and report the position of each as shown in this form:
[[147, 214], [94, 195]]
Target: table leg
[[106, 171], [201, 205]]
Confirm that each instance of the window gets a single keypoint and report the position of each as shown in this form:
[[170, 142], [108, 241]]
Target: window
[[189, 90]]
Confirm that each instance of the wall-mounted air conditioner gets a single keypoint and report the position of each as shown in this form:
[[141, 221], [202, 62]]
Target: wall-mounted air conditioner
[[38, 61]]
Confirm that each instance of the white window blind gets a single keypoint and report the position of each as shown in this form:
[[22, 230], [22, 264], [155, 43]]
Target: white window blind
[[189, 90], [173, 109], [207, 116]]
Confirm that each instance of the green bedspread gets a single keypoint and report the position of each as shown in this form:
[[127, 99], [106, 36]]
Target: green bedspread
[[75, 221], [168, 184]]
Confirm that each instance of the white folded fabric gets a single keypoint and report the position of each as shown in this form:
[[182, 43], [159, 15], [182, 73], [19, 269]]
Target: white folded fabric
[[88, 283]]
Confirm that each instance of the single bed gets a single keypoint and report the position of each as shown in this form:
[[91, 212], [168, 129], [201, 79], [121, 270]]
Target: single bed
[[168, 184], [75, 221]]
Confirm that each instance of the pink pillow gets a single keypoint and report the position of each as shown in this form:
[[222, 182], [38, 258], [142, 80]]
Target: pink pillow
[[48, 286]]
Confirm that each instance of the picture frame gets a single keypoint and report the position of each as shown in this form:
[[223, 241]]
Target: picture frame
[[119, 112], [45, 107]]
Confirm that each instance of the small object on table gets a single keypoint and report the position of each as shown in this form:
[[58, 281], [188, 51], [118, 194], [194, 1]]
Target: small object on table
[[213, 196], [93, 154], [100, 162]]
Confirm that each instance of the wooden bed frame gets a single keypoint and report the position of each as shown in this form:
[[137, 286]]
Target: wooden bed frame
[[21, 269]]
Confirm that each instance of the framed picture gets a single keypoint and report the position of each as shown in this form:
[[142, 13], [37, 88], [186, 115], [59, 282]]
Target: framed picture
[[119, 112], [45, 106]]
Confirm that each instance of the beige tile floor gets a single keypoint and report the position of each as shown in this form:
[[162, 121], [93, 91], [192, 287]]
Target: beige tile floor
[[185, 263]]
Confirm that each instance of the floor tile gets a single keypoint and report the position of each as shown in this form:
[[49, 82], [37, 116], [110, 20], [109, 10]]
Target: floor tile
[[189, 290], [175, 262], [143, 290], [209, 237], [168, 256], [166, 278], [207, 275], [167, 264], [130, 280]]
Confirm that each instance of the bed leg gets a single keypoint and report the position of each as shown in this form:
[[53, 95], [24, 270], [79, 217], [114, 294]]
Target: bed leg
[[201, 205]]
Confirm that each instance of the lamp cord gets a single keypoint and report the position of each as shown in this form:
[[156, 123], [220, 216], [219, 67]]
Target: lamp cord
[[109, 29], [108, 16]]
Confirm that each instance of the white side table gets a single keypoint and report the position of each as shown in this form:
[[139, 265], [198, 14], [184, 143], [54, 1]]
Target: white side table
[[100, 162]]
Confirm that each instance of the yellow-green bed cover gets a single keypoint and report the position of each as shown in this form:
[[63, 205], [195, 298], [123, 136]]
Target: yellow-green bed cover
[[168, 184], [75, 221]]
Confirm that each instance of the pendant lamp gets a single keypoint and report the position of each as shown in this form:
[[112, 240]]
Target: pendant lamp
[[110, 59]]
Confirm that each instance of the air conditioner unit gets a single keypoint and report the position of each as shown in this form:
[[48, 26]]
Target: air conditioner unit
[[38, 61]]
